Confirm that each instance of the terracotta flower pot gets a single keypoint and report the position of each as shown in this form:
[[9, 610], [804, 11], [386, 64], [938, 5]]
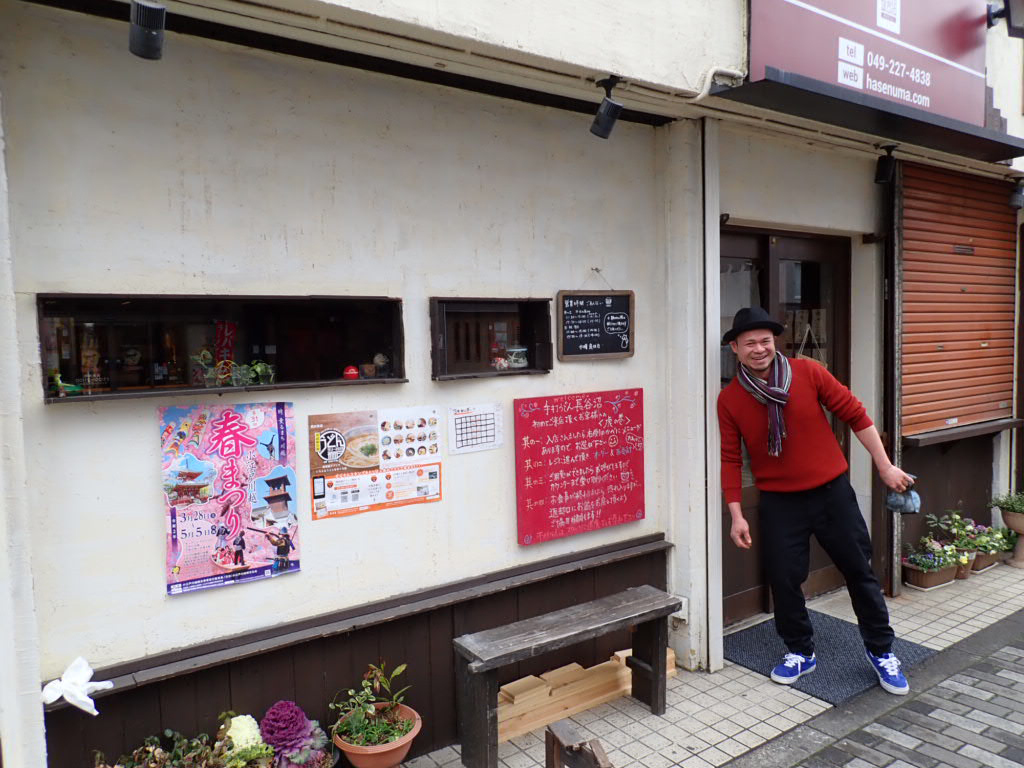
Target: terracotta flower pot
[[916, 578], [383, 755], [983, 561], [1015, 522]]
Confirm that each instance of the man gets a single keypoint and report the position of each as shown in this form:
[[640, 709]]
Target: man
[[239, 546], [774, 406], [284, 545]]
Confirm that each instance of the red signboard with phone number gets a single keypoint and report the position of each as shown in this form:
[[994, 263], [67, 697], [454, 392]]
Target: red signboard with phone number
[[579, 463], [923, 54]]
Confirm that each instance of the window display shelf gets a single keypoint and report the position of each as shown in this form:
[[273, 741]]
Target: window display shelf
[[102, 347], [166, 392]]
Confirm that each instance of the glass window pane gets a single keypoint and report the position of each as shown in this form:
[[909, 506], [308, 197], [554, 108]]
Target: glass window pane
[[740, 287]]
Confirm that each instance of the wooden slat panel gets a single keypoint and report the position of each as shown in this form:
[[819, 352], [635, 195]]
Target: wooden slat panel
[[967, 415], [968, 376], [935, 254], [912, 345], [442, 688], [957, 401], [958, 308], [969, 189], [965, 302], [933, 266], [959, 360], [939, 338], [965, 203], [966, 239], [930, 426], [935, 391], [924, 210], [913, 246], [916, 280], [177, 699], [980, 197], [960, 227], [955, 326]]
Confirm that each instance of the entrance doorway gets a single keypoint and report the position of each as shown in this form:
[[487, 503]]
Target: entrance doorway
[[803, 281]]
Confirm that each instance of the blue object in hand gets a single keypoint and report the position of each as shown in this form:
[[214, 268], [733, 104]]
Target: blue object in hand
[[906, 503]]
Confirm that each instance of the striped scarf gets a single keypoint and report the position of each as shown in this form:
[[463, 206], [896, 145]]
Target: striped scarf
[[773, 393]]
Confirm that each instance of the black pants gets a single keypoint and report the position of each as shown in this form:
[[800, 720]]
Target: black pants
[[831, 513]]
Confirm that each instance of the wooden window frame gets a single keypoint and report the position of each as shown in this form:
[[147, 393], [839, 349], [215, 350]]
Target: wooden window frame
[[534, 318], [100, 313]]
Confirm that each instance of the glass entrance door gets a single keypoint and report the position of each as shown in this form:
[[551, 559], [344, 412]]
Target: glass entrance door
[[803, 282]]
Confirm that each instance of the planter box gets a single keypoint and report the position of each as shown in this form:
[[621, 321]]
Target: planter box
[[983, 561], [925, 581]]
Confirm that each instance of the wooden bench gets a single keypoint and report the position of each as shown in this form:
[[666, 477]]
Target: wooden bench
[[479, 656]]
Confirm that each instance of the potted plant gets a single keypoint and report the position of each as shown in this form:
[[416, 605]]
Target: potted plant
[[962, 533], [264, 371], [1008, 540], [991, 545], [298, 742], [238, 745], [932, 565], [374, 728], [1011, 508]]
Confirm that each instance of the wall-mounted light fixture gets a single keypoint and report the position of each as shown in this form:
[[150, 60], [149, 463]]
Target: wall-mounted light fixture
[[146, 34], [885, 168], [1017, 196], [609, 110], [1013, 12]]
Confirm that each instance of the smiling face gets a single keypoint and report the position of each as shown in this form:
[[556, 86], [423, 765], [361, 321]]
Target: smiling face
[[756, 350]]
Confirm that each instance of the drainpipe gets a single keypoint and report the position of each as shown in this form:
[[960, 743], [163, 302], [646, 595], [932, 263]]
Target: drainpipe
[[21, 710]]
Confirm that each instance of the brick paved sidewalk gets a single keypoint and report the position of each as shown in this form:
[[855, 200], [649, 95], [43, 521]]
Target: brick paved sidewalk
[[966, 711]]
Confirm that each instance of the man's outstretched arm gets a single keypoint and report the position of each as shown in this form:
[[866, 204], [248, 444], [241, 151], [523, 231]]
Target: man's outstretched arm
[[891, 475]]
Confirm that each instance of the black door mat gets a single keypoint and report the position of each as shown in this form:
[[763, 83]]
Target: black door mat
[[842, 671]]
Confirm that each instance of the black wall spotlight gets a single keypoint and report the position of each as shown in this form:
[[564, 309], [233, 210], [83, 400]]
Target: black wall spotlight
[[885, 168], [1017, 196], [146, 35], [609, 110]]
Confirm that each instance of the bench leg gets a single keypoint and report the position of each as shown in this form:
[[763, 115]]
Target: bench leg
[[477, 697], [650, 643]]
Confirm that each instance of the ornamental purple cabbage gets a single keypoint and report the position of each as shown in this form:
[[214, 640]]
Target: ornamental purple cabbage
[[285, 727]]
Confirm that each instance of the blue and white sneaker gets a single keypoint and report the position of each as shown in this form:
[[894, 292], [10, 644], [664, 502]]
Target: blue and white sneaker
[[890, 676], [793, 667]]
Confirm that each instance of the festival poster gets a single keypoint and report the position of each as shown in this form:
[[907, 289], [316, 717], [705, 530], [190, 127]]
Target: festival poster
[[368, 460], [229, 494]]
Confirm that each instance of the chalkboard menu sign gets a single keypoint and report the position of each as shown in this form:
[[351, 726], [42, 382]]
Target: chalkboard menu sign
[[595, 324], [579, 463]]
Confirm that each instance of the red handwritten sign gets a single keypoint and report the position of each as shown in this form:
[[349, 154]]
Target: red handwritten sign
[[579, 463]]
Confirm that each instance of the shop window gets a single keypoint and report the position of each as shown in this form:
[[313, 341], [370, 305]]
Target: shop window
[[490, 337], [98, 347]]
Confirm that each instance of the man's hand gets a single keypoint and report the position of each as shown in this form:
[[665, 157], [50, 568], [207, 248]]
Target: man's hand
[[895, 478], [740, 533]]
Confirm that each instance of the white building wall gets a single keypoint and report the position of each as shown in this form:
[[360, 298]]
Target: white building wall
[[663, 44], [1004, 62], [220, 170]]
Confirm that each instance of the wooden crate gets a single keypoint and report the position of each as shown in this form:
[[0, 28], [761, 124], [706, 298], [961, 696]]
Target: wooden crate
[[534, 702]]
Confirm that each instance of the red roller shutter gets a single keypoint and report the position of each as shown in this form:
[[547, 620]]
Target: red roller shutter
[[958, 270]]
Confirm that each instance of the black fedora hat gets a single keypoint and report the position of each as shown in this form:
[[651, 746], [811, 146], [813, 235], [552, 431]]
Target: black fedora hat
[[749, 319]]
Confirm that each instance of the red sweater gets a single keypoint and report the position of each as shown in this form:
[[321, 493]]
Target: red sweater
[[811, 456]]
